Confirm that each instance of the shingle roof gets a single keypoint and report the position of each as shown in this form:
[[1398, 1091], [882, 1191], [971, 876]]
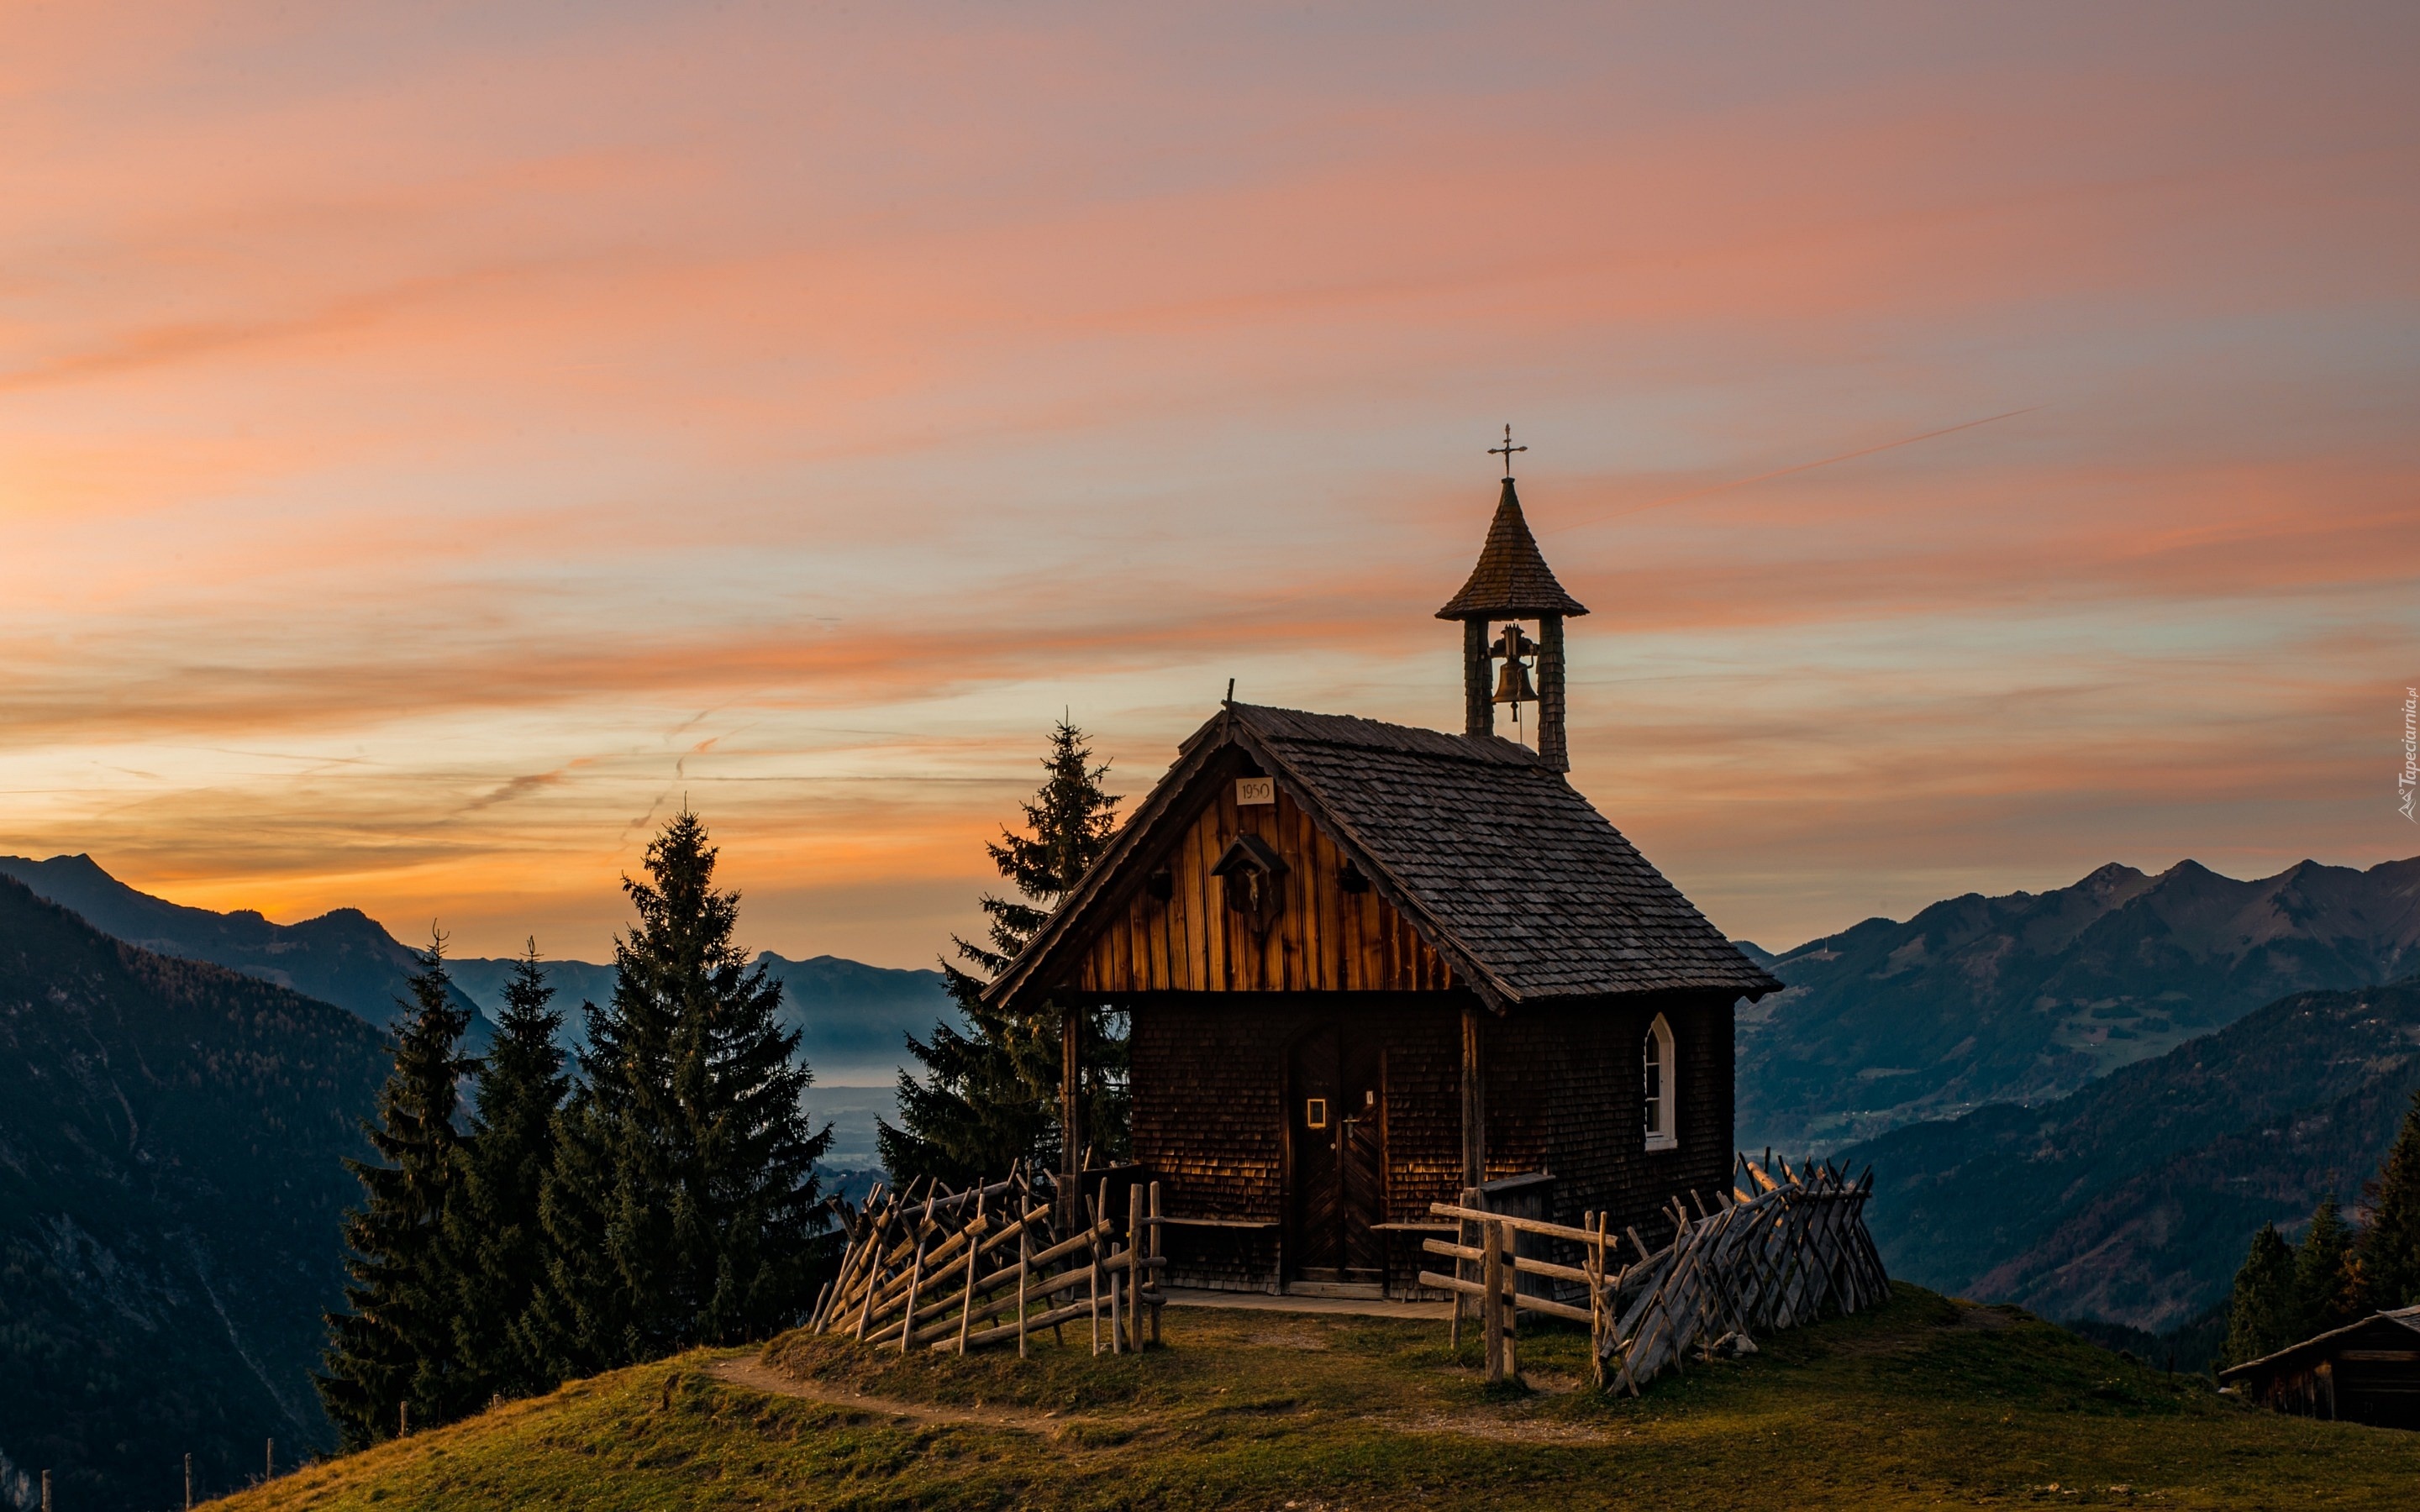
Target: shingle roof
[[1511, 580], [1492, 856], [2407, 1317]]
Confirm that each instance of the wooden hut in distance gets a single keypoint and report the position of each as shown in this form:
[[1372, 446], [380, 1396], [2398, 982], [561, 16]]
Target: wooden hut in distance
[[1369, 965], [2363, 1372]]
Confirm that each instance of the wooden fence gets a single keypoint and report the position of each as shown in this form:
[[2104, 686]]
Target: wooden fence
[[1779, 1249], [958, 1271]]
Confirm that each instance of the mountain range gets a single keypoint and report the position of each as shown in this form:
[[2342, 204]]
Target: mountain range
[[851, 1017], [343, 957], [2131, 1201], [171, 1136], [2028, 997]]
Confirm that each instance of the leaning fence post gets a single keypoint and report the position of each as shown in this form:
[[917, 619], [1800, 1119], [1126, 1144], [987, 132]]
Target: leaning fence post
[[1024, 1269], [1093, 1276], [1466, 1234], [915, 1277], [1511, 1300], [1157, 1301], [1134, 1272], [1598, 1305], [1491, 1304]]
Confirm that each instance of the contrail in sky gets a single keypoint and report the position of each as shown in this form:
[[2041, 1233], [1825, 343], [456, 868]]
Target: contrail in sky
[[1802, 467]]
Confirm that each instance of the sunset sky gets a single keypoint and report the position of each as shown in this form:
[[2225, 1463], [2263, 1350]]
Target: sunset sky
[[435, 438]]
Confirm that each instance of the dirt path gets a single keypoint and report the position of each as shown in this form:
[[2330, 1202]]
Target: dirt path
[[1504, 1430], [754, 1375]]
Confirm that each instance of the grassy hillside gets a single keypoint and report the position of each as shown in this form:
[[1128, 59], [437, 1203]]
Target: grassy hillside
[[1924, 1401]]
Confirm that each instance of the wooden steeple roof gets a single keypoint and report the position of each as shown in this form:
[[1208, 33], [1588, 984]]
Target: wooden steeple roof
[[1500, 866], [1512, 580]]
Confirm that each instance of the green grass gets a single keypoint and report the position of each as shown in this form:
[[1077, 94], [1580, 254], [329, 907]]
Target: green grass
[[1926, 1402]]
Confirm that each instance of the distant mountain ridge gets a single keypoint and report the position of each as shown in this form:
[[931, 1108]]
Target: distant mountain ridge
[[2133, 1199], [343, 957], [852, 1021], [852, 1018], [2029, 996], [171, 1143]]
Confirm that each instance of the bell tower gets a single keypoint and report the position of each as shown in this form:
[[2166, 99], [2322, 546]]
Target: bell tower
[[1510, 584]]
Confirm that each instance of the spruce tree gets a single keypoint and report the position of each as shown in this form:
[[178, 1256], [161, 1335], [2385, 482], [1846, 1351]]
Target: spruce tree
[[2264, 1315], [684, 1210], [990, 1097], [2326, 1287], [494, 1231], [580, 1320], [2390, 1246], [395, 1343]]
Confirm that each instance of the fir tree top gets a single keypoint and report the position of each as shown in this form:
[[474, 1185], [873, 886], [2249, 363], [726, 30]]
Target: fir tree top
[[2261, 1317], [2325, 1279], [703, 1158], [2391, 1246], [1072, 820], [525, 1063], [990, 1097]]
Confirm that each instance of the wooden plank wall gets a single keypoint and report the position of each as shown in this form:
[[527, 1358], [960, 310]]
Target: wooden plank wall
[[1326, 939]]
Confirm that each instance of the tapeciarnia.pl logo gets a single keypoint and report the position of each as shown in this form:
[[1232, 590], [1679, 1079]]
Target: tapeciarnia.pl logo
[[2409, 778]]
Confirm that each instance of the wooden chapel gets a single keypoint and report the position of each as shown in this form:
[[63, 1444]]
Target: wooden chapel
[[1369, 965]]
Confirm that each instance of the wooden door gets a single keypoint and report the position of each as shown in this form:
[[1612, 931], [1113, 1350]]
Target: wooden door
[[1337, 1107]]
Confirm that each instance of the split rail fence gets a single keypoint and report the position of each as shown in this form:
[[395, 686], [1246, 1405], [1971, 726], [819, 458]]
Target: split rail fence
[[952, 1270], [1776, 1250]]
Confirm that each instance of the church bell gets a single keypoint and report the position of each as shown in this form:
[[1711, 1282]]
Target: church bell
[[1512, 685]]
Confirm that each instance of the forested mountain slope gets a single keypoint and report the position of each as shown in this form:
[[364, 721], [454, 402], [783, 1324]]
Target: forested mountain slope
[[2133, 1199], [2029, 996], [171, 1143]]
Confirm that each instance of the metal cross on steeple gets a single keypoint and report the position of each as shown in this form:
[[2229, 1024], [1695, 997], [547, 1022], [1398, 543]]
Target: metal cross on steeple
[[1506, 452]]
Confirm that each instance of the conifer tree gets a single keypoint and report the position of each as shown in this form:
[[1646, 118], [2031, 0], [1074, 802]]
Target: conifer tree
[[990, 1097], [580, 1320], [2327, 1287], [2265, 1311], [493, 1232], [395, 1343], [2390, 1246], [684, 1207]]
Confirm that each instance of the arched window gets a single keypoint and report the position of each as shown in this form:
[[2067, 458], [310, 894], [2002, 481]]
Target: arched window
[[1656, 1058]]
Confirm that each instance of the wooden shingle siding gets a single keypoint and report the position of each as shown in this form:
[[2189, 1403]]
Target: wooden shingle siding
[[1209, 1118], [1564, 1094], [1323, 939]]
